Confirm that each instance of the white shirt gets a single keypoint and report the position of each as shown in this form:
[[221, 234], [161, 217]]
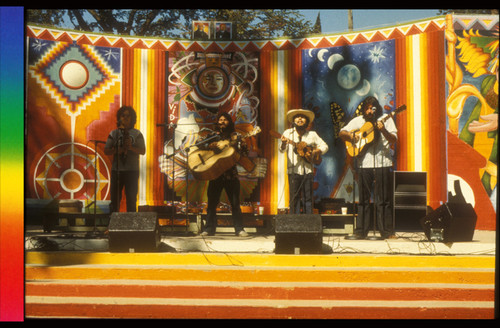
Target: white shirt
[[296, 163], [380, 150]]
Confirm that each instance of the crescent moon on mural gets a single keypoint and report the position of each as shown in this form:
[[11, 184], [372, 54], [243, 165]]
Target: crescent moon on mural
[[334, 59], [321, 54], [310, 52], [364, 89]]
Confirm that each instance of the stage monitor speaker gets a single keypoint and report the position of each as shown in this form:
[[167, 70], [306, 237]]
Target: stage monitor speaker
[[298, 234], [133, 232], [451, 222]]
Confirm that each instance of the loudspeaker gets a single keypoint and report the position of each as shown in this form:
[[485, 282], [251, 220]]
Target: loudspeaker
[[451, 222], [298, 234], [133, 232]]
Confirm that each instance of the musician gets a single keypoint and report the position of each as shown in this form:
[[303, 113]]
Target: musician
[[228, 180], [126, 144], [300, 169], [375, 166]]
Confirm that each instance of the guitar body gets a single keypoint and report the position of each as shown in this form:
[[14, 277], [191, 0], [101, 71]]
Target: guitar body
[[366, 135], [306, 151], [210, 164], [302, 149]]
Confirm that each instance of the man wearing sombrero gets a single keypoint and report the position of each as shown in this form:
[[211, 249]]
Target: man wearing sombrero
[[301, 159]]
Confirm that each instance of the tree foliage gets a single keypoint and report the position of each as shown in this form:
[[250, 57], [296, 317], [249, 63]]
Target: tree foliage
[[175, 23]]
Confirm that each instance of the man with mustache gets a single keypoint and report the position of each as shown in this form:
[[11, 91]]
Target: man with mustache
[[375, 169], [300, 170], [228, 180]]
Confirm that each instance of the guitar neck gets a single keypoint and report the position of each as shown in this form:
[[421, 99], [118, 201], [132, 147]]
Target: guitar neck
[[279, 135]]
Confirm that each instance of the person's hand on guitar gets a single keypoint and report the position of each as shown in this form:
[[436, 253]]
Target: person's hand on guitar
[[284, 142]]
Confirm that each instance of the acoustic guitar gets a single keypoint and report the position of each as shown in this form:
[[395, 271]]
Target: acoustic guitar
[[366, 134], [210, 164], [302, 149]]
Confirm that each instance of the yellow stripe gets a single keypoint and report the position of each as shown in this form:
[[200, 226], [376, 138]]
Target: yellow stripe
[[263, 275], [260, 260], [424, 65], [409, 92]]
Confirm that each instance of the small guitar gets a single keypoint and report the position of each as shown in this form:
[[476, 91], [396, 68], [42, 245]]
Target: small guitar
[[366, 135], [210, 164], [302, 149]]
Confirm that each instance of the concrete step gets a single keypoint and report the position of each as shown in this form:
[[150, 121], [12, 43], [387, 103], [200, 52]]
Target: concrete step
[[215, 285]]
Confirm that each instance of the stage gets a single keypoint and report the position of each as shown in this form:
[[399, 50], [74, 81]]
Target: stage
[[178, 241], [72, 274]]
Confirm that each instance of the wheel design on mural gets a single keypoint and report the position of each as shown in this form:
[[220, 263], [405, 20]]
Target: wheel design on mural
[[67, 171]]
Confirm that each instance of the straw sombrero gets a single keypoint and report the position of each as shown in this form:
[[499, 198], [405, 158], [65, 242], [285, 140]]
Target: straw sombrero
[[292, 112]]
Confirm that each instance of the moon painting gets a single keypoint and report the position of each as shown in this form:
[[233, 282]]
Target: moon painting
[[344, 76]]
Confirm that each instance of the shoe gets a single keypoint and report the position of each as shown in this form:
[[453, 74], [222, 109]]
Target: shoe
[[242, 233], [355, 237], [206, 233], [391, 236]]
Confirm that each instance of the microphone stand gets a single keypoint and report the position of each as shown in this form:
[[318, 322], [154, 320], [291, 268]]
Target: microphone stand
[[356, 174], [95, 232], [172, 156], [375, 210]]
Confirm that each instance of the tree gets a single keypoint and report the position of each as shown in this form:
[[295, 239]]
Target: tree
[[317, 26], [175, 23]]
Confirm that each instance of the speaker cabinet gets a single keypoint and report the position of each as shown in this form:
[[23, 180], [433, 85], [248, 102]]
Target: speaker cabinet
[[410, 200], [133, 232], [298, 234], [451, 222]]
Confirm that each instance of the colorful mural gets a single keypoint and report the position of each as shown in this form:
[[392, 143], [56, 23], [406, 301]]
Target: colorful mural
[[68, 87], [335, 81], [472, 109], [202, 85], [444, 69]]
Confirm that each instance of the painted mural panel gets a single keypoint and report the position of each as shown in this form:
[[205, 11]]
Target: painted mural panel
[[200, 86], [472, 110], [69, 87], [336, 80]]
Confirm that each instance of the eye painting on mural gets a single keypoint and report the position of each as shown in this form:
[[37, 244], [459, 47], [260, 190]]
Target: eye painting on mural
[[202, 85], [336, 80]]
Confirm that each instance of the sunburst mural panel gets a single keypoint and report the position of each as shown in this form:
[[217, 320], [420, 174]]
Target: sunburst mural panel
[[70, 85]]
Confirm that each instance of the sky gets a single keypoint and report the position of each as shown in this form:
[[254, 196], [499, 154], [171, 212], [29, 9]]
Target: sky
[[335, 20]]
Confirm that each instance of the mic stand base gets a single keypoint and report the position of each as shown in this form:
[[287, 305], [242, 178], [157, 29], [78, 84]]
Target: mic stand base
[[374, 237]]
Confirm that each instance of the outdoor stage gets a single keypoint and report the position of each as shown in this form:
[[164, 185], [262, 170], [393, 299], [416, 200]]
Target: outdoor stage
[[413, 242], [72, 274]]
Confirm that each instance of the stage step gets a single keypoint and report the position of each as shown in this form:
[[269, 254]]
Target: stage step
[[224, 285]]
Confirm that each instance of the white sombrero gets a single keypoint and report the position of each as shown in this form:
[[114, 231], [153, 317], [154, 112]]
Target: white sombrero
[[292, 112]]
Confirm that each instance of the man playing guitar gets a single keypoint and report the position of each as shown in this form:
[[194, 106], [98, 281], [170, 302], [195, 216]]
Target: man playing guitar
[[300, 169], [228, 180], [375, 164]]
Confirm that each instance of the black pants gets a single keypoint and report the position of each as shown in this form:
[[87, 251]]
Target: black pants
[[128, 180], [300, 188], [379, 183], [214, 191]]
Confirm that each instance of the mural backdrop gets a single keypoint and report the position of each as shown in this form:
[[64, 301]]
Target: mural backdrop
[[445, 70]]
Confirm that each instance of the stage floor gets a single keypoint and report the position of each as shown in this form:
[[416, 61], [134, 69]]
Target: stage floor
[[415, 243]]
